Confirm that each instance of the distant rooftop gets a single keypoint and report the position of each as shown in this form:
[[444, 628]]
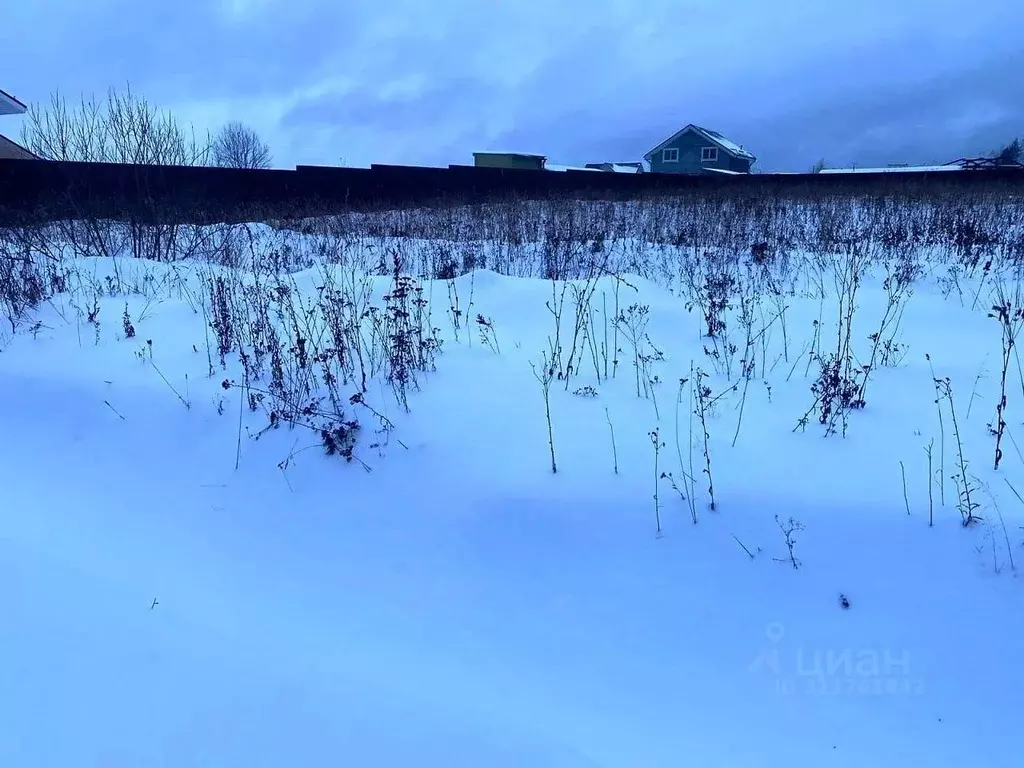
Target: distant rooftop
[[509, 152], [898, 169], [556, 167]]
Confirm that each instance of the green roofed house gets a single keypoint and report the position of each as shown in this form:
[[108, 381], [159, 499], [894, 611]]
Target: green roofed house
[[697, 150], [527, 161], [10, 150]]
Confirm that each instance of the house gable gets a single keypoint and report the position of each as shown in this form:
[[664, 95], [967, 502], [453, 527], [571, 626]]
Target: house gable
[[695, 150]]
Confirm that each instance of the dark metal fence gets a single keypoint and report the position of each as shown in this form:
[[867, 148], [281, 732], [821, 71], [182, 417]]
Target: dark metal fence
[[34, 191]]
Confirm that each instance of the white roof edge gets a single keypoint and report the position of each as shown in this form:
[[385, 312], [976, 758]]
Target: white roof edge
[[897, 169], [560, 167], [727, 144], [10, 105]]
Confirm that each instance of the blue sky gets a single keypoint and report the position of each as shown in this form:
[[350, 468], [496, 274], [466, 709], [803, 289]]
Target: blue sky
[[410, 81]]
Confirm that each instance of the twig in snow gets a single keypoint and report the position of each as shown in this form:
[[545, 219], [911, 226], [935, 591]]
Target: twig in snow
[[903, 472], [545, 376], [931, 504], [1006, 535], [789, 528], [745, 549], [1021, 500], [238, 444], [942, 432], [615, 453], [177, 394], [658, 445], [107, 403]]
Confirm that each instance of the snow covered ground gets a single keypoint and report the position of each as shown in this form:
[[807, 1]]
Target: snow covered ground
[[182, 586]]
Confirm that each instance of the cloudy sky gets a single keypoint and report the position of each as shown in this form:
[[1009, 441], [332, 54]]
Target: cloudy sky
[[428, 81]]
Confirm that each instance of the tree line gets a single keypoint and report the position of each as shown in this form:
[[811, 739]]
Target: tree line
[[127, 128]]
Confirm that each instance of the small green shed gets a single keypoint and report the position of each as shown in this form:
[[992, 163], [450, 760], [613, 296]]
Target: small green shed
[[515, 160]]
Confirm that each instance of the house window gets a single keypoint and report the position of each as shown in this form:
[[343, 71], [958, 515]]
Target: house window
[[709, 155], [670, 155]]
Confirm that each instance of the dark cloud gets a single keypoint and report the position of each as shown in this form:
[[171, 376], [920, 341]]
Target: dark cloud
[[871, 81], [368, 108], [186, 49], [968, 112]]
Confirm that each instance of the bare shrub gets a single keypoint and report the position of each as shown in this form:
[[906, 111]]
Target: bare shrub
[[125, 128], [966, 490], [26, 280], [1008, 311]]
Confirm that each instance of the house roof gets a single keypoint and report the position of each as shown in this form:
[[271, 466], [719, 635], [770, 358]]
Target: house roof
[[11, 150], [556, 167], [628, 167], [898, 169], [509, 152], [714, 137], [10, 105]]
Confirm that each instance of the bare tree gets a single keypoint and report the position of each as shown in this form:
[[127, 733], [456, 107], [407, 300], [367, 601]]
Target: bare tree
[[1011, 153], [123, 129], [238, 146]]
